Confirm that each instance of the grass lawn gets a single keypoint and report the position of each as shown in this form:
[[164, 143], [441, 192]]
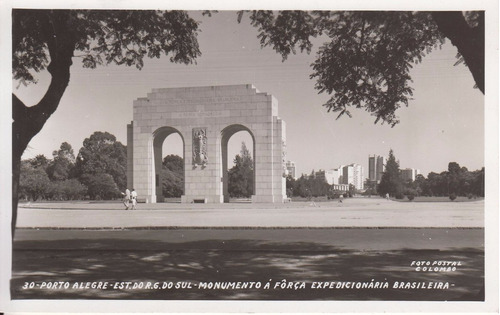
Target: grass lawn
[[439, 199], [315, 199]]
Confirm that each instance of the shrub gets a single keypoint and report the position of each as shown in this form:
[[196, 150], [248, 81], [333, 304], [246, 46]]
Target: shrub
[[453, 196], [411, 193], [100, 186], [399, 195], [470, 196]]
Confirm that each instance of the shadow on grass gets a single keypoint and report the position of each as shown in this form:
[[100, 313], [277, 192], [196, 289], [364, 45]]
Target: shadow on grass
[[237, 260]]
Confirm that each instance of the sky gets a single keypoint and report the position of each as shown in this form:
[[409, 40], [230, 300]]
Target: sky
[[443, 123]]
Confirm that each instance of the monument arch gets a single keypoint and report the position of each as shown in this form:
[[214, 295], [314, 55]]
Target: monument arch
[[159, 136], [205, 118], [226, 134]]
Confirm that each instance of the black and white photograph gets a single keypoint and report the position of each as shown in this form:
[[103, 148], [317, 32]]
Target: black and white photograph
[[251, 157]]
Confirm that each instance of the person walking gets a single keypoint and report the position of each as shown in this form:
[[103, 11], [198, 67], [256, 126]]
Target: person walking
[[126, 198], [134, 198]]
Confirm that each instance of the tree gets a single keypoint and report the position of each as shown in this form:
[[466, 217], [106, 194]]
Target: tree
[[478, 183], [303, 187], [100, 186], [391, 182], [291, 186], [368, 56], [319, 186], [457, 180], [172, 176], [48, 40], [34, 182], [102, 154], [240, 176], [40, 161], [69, 189], [420, 185], [62, 163]]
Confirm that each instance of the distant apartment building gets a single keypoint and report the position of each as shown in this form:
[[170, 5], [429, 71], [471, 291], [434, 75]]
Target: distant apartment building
[[343, 176], [333, 176], [376, 168], [380, 167], [353, 174], [320, 175], [341, 187], [409, 174], [290, 167], [372, 167]]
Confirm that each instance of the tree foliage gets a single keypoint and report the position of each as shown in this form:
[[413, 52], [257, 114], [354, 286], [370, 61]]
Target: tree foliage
[[34, 182], [100, 166], [391, 182], [172, 175], [100, 186], [367, 56], [102, 154], [62, 164], [307, 186], [291, 185], [40, 161], [457, 180], [123, 37], [69, 189], [240, 182]]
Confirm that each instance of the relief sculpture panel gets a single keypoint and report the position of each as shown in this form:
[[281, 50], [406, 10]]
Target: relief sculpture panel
[[200, 157]]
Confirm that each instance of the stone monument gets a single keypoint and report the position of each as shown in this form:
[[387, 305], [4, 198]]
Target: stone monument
[[205, 118]]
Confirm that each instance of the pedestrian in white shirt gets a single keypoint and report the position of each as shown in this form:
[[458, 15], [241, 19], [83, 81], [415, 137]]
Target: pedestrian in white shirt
[[126, 198], [134, 198]]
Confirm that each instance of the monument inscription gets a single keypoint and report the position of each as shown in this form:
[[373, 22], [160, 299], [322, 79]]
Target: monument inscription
[[217, 114], [203, 100]]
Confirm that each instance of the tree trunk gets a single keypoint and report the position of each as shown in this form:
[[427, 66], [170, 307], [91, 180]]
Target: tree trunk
[[468, 40], [28, 121], [16, 170]]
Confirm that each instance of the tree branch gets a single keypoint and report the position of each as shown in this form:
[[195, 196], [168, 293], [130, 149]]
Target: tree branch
[[28, 121], [468, 40]]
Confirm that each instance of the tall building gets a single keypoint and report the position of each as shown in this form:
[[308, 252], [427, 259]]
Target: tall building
[[333, 176], [353, 174], [409, 174], [376, 168], [290, 167], [380, 167], [320, 175], [372, 166], [341, 174]]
